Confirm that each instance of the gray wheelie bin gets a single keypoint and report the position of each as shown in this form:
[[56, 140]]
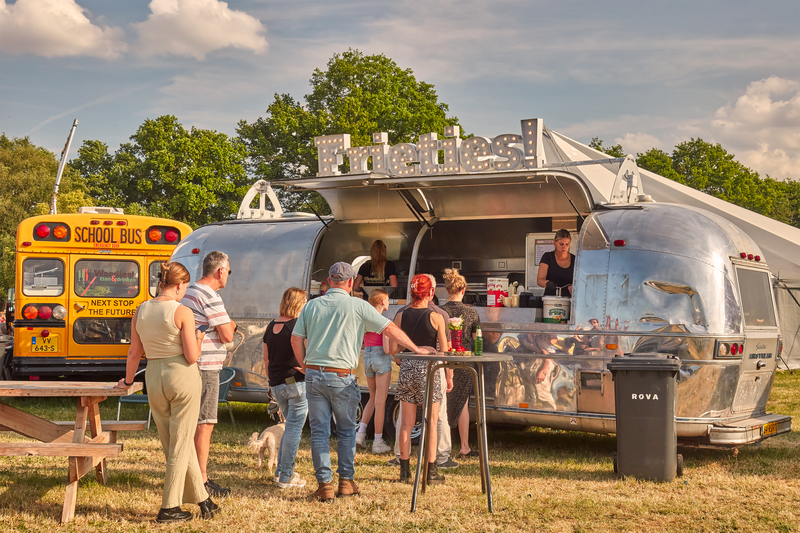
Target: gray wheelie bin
[[644, 392]]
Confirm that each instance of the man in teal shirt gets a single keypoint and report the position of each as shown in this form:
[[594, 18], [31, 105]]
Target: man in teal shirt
[[327, 340]]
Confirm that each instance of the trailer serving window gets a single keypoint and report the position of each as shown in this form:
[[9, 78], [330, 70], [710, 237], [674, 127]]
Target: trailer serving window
[[756, 292]]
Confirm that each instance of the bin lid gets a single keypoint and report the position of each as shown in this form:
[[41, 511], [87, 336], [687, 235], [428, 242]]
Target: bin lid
[[655, 363]]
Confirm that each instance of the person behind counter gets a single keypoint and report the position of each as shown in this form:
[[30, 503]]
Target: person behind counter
[[557, 267], [378, 271]]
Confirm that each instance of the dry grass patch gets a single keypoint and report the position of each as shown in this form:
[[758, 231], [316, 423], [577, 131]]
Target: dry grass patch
[[543, 481]]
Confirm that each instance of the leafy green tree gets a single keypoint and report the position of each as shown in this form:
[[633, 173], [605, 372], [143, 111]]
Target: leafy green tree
[[196, 176], [613, 151], [27, 176], [660, 162], [357, 94]]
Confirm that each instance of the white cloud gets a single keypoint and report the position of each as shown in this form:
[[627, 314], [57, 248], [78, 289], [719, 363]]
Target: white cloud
[[635, 143], [55, 28], [763, 127], [195, 28]]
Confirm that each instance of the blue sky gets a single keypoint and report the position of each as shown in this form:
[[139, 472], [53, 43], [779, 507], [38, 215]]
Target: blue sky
[[642, 73]]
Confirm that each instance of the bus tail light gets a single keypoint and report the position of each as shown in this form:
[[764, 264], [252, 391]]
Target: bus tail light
[[154, 235], [171, 236], [59, 232], [42, 231], [45, 312], [45, 333], [59, 312], [108, 222], [30, 312], [122, 223]]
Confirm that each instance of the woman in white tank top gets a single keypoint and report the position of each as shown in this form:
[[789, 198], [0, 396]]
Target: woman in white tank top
[[164, 330]]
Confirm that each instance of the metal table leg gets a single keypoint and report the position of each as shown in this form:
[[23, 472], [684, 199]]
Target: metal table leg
[[484, 440], [424, 437]]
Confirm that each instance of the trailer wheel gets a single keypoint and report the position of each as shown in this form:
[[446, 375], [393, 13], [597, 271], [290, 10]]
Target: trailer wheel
[[5, 364], [388, 419], [394, 413], [359, 413], [680, 465]]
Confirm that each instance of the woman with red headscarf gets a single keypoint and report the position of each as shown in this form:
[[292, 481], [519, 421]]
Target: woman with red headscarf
[[425, 328]]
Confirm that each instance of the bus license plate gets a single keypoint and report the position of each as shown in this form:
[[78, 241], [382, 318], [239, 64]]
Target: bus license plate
[[769, 429], [44, 344]]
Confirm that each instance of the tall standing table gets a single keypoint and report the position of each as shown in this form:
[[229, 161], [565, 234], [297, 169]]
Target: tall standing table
[[85, 454], [435, 362]]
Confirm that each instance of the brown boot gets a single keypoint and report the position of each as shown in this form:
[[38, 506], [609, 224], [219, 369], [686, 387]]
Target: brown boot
[[324, 493], [348, 487], [405, 470], [434, 477]]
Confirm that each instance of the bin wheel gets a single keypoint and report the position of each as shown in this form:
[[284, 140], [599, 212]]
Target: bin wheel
[[680, 465], [614, 460]]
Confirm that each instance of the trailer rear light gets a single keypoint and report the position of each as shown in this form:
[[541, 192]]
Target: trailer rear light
[[122, 223], [59, 312], [741, 349], [195, 250], [45, 333], [59, 232], [734, 349], [171, 236], [154, 235], [619, 242], [750, 256], [757, 258], [743, 255], [42, 231], [611, 346], [45, 312], [30, 312]]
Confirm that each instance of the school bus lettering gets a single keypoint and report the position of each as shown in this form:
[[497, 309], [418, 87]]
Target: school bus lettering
[[112, 236], [118, 312]]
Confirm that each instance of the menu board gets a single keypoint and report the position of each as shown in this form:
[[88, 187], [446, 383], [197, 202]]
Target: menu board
[[540, 247]]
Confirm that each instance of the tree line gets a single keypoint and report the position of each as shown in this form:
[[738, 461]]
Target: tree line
[[199, 176]]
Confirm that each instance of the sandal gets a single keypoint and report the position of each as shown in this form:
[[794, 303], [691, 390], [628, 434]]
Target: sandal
[[471, 453]]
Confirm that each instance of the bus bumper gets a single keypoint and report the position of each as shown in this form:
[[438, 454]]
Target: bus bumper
[[66, 368]]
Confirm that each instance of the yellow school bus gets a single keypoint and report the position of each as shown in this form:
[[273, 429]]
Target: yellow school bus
[[79, 279]]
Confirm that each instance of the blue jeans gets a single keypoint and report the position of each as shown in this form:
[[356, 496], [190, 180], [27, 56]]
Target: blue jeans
[[294, 406], [328, 394]]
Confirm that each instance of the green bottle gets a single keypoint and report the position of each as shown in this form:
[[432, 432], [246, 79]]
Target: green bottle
[[478, 342]]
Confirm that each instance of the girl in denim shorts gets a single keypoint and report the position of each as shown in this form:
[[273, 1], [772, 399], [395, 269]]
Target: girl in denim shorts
[[378, 368]]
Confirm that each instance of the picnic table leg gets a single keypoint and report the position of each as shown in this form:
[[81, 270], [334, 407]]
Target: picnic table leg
[[71, 492], [95, 426]]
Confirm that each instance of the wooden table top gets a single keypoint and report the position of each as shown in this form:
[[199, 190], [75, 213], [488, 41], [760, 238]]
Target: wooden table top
[[64, 388]]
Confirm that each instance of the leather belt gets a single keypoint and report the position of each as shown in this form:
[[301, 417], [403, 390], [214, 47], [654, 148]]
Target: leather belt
[[345, 371]]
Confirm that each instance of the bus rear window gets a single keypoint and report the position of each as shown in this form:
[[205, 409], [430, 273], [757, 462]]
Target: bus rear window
[[106, 279], [155, 270], [102, 331], [756, 294], [42, 277]]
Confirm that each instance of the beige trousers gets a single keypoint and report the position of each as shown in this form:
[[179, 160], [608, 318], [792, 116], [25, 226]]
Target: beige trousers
[[173, 391]]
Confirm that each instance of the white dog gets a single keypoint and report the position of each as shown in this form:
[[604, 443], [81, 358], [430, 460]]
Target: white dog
[[269, 440]]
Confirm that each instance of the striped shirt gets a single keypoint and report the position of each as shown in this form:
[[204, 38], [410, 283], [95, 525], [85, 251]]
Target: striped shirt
[[208, 309]]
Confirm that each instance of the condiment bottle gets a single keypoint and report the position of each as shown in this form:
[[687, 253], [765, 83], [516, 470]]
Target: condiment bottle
[[478, 346]]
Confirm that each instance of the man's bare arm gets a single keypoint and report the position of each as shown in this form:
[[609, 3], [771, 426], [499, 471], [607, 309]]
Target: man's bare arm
[[299, 349]]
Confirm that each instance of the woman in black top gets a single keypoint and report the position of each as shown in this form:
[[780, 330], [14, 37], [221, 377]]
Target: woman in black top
[[424, 328], [378, 271], [287, 383], [557, 267], [457, 412]]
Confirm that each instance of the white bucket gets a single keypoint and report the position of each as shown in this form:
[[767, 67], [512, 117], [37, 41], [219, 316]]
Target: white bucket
[[555, 309], [315, 288]]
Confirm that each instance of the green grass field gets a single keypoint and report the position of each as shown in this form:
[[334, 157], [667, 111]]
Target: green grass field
[[543, 480]]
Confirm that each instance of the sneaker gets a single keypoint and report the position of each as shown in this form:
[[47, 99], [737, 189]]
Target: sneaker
[[295, 482], [324, 493], [208, 508], [393, 462], [348, 487], [447, 464], [173, 514], [215, 490], [380, 447], [361, 440], [276, 479]]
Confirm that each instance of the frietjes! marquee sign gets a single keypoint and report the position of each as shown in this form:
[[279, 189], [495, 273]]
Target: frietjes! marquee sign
[[476, 154]]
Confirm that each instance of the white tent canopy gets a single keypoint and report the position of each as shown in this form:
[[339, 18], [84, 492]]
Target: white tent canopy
[[780, 243]]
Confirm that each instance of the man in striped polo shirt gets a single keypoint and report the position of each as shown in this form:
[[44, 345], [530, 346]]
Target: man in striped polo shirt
[[209, 310]]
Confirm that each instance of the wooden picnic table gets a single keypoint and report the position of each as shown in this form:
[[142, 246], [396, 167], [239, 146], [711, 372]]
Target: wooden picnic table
[[66, 439]]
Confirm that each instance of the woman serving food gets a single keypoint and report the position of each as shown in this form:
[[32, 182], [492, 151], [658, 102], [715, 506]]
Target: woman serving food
[[557, 267], [378, 271]]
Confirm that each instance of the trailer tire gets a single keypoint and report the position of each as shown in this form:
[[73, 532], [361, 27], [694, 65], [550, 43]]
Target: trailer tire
[[5, 363], [389, 431], [393, 413], [359, 413]]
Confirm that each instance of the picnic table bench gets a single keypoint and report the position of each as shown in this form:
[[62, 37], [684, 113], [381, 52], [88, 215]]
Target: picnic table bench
[[67, 439]]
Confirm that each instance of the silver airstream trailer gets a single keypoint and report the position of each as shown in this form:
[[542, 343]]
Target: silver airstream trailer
[[650, 278]]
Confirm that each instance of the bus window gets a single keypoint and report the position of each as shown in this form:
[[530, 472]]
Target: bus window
[[155, 270], [42, 277], [106, 279], [102, 331], [756, 294]]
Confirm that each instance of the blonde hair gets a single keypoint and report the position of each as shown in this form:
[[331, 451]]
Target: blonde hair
[[453, 281], [377, 296], [171, 274], [292, 302], [378, 255]]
